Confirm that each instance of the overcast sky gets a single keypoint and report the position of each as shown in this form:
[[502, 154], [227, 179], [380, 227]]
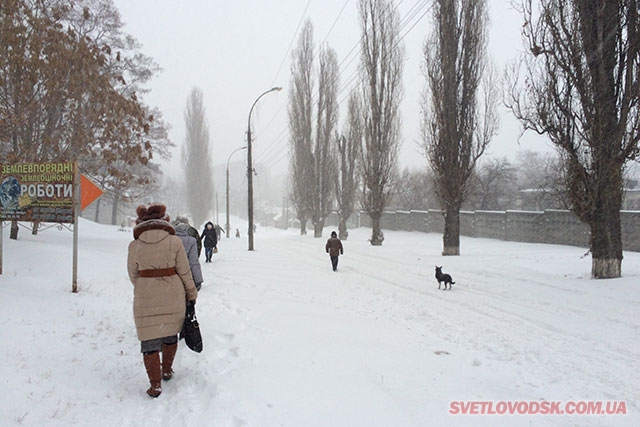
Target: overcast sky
[[235, 50]]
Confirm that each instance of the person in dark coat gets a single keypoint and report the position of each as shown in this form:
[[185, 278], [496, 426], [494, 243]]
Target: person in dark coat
[[210, 240], [190, 246], [334, 249]]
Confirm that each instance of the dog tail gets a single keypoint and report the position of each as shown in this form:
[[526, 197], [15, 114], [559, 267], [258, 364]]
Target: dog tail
[[453, 283]]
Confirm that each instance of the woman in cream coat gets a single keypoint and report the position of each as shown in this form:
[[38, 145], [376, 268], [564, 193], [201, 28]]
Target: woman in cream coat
[[159, 271]]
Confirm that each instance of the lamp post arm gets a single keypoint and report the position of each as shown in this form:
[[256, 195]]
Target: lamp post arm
[[228, 226], [256, 101], [250, 169], [233, 152]]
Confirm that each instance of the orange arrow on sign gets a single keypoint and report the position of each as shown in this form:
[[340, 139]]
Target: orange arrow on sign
[[88, 192]]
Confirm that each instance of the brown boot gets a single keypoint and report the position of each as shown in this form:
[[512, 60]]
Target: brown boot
[[152, 364], [168, 354]]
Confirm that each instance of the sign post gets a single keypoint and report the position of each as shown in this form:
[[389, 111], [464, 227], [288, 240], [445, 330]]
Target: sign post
[[86, 192], [76, 205]]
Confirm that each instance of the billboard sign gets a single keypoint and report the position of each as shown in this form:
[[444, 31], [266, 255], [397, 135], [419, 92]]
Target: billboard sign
[[37, 192]]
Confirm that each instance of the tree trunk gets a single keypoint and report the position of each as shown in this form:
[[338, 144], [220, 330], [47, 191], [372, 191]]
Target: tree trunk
[[97, 217], [303, 226], [317, 228], [342, 229], [14, 230], [606, 268], [114, 209], [376, 233], [606, 240], [451, 234]]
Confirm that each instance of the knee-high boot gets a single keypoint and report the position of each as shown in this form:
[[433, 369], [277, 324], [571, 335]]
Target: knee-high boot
[[168, 354], [152, 364]]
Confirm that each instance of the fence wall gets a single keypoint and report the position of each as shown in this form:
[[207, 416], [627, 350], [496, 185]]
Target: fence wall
[[550, 226]]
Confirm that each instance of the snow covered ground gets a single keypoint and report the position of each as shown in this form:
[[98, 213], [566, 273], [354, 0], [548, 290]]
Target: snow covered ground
[[288, 342]]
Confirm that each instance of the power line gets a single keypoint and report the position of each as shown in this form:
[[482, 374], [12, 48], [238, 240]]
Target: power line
[[335, 21], [406, 21], [293, 38], [284, 58], [413, 17]]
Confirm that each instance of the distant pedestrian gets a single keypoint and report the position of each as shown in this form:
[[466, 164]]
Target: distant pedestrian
[[237, 233], [192, 231], [162, 286], [210, 240], [334, 249], [191, 248], [219, 230]]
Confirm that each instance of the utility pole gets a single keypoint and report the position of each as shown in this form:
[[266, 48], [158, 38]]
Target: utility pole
[[284, 220], [250, 168], [228, 225], [286, 214]]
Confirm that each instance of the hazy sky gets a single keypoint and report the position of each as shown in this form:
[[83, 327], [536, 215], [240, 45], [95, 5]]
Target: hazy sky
[[235, 50]]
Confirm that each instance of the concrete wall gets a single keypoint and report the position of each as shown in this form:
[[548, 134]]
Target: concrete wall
[[549, 226], [490, 224]]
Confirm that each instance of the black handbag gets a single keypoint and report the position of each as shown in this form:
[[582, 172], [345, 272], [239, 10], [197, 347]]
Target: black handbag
[[191, 329]]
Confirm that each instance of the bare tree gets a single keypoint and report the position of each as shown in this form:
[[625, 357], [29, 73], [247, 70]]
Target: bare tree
[[297, 197], [301, 125], [347, 155], [129, 70], [493, 186], [313, 152], [581, 89], [196, 159], [62, 95], [71, 86], [460, 109], [382, 61], [327, 119], [414, 191], [541, 181]]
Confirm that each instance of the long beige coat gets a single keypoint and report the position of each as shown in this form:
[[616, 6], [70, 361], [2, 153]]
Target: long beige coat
[[159, 302]]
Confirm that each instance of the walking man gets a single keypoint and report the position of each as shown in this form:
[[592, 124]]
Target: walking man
[[334, 249]]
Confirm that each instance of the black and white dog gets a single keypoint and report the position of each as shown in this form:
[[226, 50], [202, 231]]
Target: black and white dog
[[443, 277]]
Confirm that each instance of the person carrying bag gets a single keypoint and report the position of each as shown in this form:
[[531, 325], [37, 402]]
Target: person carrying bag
[[159, 270], [191, 329]]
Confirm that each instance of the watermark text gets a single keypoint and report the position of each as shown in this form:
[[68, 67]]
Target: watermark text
[[533, 407]]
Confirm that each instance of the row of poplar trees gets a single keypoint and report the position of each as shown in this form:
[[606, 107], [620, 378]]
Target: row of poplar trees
[[329, 165], [577, 82], [71, 88]]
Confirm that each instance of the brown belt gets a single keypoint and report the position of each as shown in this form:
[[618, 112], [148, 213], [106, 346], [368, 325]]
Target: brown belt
[[158, 272]]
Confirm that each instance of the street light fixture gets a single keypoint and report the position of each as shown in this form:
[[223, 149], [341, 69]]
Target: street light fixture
[[250, 168], [232, 153]]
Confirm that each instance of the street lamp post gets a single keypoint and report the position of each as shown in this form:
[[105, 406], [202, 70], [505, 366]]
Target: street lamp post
[[250, 169], [234, 151]]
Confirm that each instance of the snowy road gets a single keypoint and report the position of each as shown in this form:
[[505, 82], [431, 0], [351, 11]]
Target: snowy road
[[288, 342]]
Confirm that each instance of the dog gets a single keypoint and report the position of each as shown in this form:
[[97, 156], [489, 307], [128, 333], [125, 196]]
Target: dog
[[443, 277]]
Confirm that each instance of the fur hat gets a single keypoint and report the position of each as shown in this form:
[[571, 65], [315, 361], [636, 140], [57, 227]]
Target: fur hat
[[152, 211], [181, 219], [334, 234], [152, 217]]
